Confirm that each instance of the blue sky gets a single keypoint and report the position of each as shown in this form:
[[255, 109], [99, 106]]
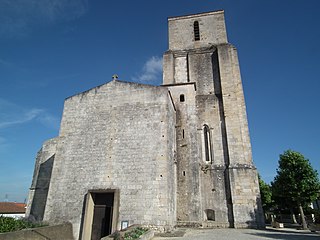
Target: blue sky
[[52, 49]]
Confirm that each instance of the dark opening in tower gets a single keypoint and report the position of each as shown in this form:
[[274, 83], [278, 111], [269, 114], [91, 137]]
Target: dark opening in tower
[[207, 143], [196, 31], [182, 99]]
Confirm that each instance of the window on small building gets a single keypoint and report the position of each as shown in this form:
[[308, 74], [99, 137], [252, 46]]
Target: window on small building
[[182, 98], [196, 31]]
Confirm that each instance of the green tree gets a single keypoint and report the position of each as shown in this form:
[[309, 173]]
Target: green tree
[[296, 183], [266, 195]]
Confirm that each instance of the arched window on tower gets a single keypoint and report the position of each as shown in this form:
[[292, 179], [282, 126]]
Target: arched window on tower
[[207, 144], [196, 31]]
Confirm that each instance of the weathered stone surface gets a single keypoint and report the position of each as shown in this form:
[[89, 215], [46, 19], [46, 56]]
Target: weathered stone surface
[[41, 180], [117, 136], [211, 25], [57, 232]]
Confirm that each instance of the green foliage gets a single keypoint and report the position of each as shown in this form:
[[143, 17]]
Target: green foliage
[[135, 233], [9, 224], [296, 182], [266, 194]]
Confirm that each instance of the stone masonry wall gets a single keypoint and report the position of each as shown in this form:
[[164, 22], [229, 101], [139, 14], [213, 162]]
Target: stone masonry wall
[[212, 30], [244, 187], [41, 180], [246, 198], [188, 199], [229, 175], [116, 136], [234, 107]]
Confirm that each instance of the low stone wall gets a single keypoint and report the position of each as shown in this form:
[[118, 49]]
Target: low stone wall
[[147, 235], [57, 232]]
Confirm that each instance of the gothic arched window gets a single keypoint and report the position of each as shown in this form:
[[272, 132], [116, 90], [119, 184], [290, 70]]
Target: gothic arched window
[[196, 31], [207, 143]]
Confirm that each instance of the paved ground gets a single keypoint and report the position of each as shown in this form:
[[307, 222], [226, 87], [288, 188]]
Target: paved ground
[[243, 234]]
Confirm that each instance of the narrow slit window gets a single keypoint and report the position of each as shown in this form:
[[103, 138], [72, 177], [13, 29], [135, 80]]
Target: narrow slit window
[[182, 99], [196, 31], [207, 143]]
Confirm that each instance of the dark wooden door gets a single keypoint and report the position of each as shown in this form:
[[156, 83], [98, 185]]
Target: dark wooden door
[[98, 225], [102, 215]]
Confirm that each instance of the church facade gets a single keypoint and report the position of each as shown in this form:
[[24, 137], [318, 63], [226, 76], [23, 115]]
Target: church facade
[[178, 154]]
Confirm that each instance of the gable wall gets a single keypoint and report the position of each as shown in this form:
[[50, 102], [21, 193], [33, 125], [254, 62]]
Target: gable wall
[[118, 136]]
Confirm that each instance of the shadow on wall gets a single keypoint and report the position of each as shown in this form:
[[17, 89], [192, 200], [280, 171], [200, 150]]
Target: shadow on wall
[[258, 220], [41, 190], [82, 215]]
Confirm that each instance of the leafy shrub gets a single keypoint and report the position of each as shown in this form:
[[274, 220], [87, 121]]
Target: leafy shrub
[[9, 224], [135, 233]]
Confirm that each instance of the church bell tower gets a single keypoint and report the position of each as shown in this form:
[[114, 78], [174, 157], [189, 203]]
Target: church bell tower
[[217, 183]]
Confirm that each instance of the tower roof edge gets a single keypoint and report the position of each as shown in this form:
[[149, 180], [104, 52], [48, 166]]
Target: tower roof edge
[[196, 15]]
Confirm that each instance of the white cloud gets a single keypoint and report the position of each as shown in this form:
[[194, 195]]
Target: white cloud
[[12, 115], [49, 120], [20, 118], [151, 72], [18, 17]]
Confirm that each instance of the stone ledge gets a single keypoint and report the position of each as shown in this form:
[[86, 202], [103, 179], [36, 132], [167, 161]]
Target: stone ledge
[[56, 232], [204, 224]]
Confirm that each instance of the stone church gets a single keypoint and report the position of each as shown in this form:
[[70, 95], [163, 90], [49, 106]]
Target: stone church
[[178, 154]]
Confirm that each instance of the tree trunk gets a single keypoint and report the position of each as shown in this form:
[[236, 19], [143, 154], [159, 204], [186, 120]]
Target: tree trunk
[[293, 216], [303, 219]]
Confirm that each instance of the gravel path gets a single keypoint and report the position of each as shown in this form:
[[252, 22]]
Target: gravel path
[[244, 234]]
